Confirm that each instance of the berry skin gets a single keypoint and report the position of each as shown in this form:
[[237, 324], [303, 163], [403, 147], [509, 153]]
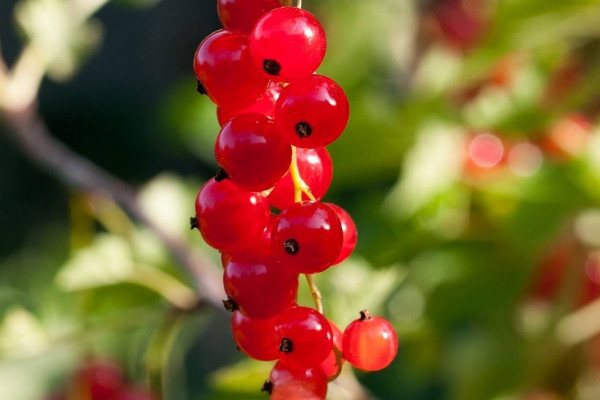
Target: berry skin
[[243, 14], [332, 365], [370, 343], [305, 337], [349, 232], [288, 44], [231, 219], [258, 284], [312, 112], [296, 384], [307, 237], [255, 337], [263, 245], [252, 152], [316, 170], [223, 66], [264, 105]]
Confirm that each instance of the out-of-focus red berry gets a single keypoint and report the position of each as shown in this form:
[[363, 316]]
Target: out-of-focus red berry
[[98, 380]]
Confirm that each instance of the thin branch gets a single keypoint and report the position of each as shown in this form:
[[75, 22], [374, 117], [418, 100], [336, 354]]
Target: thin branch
[[31, 134], [26, 76]]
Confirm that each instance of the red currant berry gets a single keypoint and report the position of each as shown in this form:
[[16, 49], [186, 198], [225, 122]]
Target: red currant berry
[[293, 384], [258, 285], [312, 112], [332, 365], [305, 337], [255, 337], [349, 231], [251, 151], [231, 219], [264, 105], [225, 258], [261, 246], [223, 66], [370, 343], [99, 379], [287, 43], [316, 170], [308, 237], [243, 14]]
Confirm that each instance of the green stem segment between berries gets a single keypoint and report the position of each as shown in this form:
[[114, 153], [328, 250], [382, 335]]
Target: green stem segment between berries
[[301, 187]]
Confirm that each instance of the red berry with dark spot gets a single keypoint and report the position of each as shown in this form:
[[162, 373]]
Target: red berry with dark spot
[[223, 67], [288, 44], [305, 337], [296, 384], [312, 112], [370, 343], [229, 218], [252, 153], [308, 237], [260, 287], [255, 337]]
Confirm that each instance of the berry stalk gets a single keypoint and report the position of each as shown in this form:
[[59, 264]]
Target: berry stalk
[[301, 187]]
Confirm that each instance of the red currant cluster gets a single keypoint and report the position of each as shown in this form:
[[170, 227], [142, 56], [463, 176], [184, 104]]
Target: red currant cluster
[[100, 380], [276, 116]]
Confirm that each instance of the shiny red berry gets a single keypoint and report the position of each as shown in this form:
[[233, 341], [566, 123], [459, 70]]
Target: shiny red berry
[[349, 232], [229, 218], [223, 67], [258, 285], [262, 245], [312, 112], [316, 170], [252, 153], [332, 365], [370, 343], [287, 43], [296, 384], [264, 105], [243, 14], [307, 237], [255, 337], [305, 337]]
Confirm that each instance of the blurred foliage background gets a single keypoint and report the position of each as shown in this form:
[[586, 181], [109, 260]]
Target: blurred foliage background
[[471, 165]]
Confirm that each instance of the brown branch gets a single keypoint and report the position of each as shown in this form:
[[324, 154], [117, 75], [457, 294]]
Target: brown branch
[[30, 133]]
